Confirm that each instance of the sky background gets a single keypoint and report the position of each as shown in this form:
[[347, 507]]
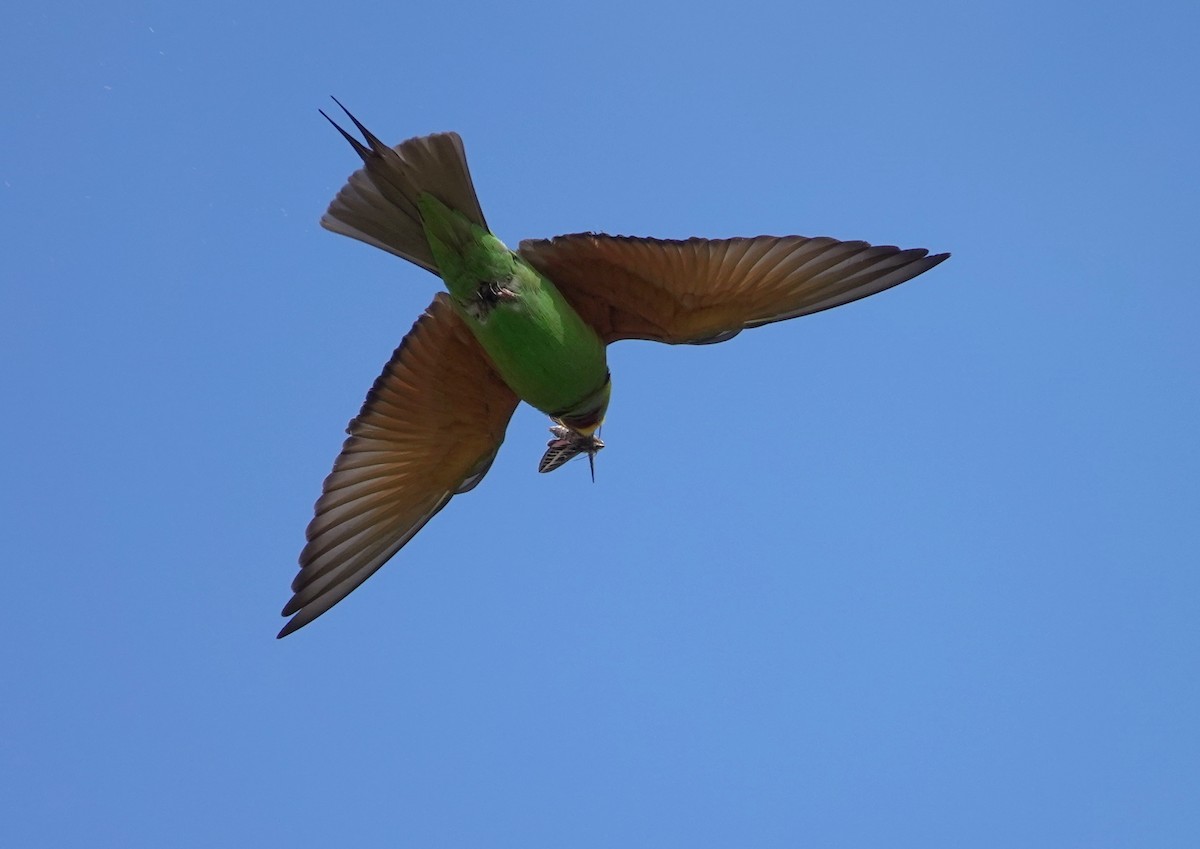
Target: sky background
[[920, 571]]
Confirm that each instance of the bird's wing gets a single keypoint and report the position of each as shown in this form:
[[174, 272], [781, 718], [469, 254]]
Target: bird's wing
[[430, 428], [707, 290]]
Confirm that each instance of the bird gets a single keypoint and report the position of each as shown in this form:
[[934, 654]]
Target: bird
[[527, 325]]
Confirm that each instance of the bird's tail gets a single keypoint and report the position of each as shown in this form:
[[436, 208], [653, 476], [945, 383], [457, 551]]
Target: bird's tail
[[379, 204]]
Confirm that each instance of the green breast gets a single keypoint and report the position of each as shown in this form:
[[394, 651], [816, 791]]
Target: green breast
[[541, 347], [549, 356]]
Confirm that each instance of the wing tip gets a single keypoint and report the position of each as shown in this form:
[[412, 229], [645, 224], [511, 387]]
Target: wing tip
[[301, 615], [929, 261]]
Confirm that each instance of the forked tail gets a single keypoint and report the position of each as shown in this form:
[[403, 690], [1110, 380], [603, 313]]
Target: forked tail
[[378, 205]]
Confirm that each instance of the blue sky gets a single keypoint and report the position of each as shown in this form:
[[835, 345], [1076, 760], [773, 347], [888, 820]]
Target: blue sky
[[920, 571]]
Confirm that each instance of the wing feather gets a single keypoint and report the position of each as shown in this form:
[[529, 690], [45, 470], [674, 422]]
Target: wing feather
[[707, 290], [430, 428]]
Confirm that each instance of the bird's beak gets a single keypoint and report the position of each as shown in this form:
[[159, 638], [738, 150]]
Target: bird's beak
[[594, 445]]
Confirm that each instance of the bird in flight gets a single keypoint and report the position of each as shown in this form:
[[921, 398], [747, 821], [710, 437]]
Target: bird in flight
[[526, 325]]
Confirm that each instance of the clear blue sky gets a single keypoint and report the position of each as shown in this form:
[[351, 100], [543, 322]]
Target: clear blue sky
[[918, 572]]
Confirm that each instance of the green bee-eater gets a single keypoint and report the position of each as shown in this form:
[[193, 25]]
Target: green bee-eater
[[527, 325]]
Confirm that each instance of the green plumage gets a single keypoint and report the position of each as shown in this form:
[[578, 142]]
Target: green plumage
[[541, 347]]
